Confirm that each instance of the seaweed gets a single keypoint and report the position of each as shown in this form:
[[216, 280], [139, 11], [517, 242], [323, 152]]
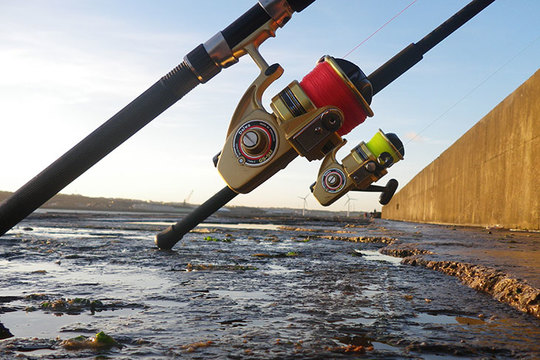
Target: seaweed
[[99, 341]]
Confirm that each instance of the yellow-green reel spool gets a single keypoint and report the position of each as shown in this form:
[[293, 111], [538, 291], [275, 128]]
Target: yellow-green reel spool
[[379, 144]]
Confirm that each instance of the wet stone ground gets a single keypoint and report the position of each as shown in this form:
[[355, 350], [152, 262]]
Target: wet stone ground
[[241, 292]]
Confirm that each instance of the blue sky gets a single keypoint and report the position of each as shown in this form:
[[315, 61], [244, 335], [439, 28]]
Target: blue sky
[[68, 66]]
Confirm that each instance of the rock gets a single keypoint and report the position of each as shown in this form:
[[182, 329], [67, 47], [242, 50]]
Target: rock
[[4, 332], [404, 250], [517, 293], [7, 299]]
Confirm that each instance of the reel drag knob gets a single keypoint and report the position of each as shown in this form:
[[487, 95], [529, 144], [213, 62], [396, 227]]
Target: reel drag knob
[[254, 142]]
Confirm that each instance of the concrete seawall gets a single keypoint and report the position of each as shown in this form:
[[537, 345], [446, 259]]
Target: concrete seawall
[[488, 177]]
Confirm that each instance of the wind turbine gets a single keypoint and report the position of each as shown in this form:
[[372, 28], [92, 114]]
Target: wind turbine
[[188, 197], [305, 203], [348, 203]]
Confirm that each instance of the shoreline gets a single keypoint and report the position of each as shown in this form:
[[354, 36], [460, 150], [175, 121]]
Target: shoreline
[[499, 262], [492, 280]]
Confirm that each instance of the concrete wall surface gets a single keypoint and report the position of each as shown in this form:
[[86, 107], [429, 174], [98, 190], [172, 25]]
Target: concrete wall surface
[[488, 177]]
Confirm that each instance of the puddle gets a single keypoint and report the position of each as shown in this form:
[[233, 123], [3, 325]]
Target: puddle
[[385, 347], [435, 319], [39, 324], [243, 295], [67, 233], [45, 353], [279, 270], [240, 226], [15, 267], [374, 255]]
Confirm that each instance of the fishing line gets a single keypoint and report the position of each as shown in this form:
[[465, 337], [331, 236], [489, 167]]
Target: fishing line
[[325, 87], [376, 31], [474, 89]]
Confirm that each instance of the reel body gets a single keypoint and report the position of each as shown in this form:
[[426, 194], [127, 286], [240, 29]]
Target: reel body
[[366, 164], [259, 143]]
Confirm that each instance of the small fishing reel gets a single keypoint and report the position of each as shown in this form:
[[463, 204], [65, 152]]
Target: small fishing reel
[[366, 164], [308, 119]]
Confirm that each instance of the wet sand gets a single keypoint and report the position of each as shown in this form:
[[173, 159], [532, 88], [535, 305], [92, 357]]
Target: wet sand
[[302, 288]]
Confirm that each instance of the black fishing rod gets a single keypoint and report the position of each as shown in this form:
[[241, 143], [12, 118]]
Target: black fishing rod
[[334, 179], [224, 49]]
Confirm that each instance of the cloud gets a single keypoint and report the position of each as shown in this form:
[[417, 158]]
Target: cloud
[[413, 136]]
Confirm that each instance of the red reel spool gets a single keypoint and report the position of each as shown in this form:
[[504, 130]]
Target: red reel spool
[[324, 86]]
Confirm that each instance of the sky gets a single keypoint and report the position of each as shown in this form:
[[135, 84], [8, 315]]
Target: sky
[[68, 66]]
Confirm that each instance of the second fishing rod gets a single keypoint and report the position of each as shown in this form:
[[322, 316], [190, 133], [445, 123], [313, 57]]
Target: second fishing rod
[[309, 119]]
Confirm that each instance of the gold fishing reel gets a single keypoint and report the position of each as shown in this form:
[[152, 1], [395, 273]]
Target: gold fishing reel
[[366, 164], [259, 144]]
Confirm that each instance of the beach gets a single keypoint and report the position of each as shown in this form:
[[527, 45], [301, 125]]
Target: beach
[[258, 288]]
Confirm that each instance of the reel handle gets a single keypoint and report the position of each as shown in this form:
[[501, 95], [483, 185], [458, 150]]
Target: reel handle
[[166, 239]]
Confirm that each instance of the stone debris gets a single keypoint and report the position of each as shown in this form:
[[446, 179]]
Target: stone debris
[[361, 239], [404, 250], [197, 345]]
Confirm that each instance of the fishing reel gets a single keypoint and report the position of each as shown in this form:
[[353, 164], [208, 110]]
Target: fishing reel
[[366, 164], [308, 120]]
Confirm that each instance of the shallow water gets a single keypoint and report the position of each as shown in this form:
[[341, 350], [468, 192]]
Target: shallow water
[[239, 292]]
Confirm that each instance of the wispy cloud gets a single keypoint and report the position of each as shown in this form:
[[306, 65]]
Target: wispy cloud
[[413, 136]]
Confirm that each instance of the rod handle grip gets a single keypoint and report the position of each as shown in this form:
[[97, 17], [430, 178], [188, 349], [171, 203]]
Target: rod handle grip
[[167, 238], [170, 236]]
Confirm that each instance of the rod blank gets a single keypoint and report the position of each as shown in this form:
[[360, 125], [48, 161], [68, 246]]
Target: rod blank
[[169, 237], [96, 146], [412, 54]]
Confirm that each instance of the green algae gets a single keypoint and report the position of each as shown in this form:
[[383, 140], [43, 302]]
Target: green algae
[[100, 341]]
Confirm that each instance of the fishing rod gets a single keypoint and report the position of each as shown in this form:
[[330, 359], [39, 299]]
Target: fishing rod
[[241, 37], [309, 119]]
